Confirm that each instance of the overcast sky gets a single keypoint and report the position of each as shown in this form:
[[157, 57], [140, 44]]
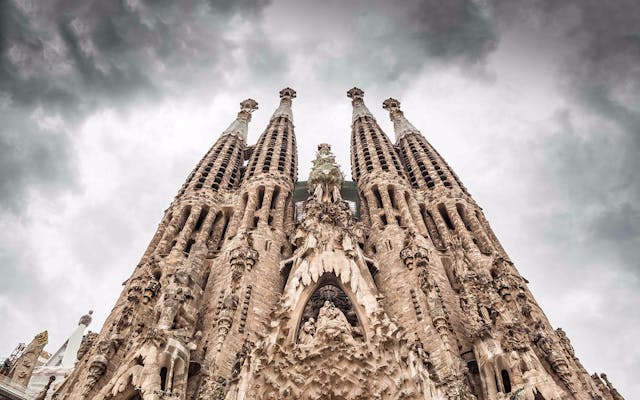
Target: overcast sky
[[106, 106]]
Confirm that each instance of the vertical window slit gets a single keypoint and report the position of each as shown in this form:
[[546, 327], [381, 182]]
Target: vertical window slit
[[445, 216]]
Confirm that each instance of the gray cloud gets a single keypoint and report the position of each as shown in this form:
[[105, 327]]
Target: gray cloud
[[573, 175], [68, 59], [390, 43], [594, 164]]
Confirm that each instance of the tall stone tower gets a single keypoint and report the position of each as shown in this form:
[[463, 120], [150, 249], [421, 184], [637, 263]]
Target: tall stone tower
[[248, 292]]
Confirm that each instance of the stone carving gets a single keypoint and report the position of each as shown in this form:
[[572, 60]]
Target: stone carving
[[245, 308], [308, 331], [225, 317], [250, 292], [97, 368], [240, 358], [87, 342], [219, 388], [332, 325], [565, 342], [549, 348], [150, 291], [242, 255], [325, 179], [515, 338], [26, 363]]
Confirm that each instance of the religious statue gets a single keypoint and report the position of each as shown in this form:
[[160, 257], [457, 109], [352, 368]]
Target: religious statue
[[332, 325], [307, 331]]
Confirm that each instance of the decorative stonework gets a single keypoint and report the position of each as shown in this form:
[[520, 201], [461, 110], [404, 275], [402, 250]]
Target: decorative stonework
[[26, 363], [247, 292]]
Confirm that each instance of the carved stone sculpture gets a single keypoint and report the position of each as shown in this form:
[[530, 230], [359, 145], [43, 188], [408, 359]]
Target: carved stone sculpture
[[393, 286]]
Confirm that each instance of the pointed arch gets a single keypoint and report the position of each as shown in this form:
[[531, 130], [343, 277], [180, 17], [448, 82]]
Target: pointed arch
[[328, 278]]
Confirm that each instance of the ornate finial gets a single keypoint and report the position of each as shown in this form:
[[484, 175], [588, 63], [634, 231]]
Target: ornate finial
[[391, 105], [401, 125], [248, 105], [355, 93], [324, 147], [86, 319], [288, 93]]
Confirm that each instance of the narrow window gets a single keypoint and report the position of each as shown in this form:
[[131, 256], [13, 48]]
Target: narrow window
[[383, 218], [227, 218], [538, 396], [185, 217], [506, 381], [260, 197], [203, 215], [190, 243], [463, 216], [163, 378], [216, 223], [445, 216], [392, 197], [448, 269], [274, 197], [376, 193]]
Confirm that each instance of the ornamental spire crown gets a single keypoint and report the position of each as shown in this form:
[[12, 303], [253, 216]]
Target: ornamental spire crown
[[401, 125], [86, 319], [240, 126], [326, 178], [284, 109], [357, 100]]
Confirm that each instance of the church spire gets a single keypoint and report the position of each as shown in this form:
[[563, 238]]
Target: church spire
[[275, 151], [284, 109], [426, 169], [401, 125], [240, 125], [357, 100]]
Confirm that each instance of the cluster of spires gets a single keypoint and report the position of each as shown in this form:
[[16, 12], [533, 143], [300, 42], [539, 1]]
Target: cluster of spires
[[401, 125]]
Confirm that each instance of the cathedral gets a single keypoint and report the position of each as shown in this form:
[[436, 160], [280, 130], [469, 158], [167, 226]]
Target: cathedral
[[258, 286]]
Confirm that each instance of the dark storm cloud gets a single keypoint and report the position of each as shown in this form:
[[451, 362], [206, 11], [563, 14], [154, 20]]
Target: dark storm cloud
[[593, 164], [451, 30], [391, 42], [67, 59]]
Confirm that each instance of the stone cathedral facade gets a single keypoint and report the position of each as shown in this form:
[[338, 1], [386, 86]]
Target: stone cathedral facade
[[399, 290]]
